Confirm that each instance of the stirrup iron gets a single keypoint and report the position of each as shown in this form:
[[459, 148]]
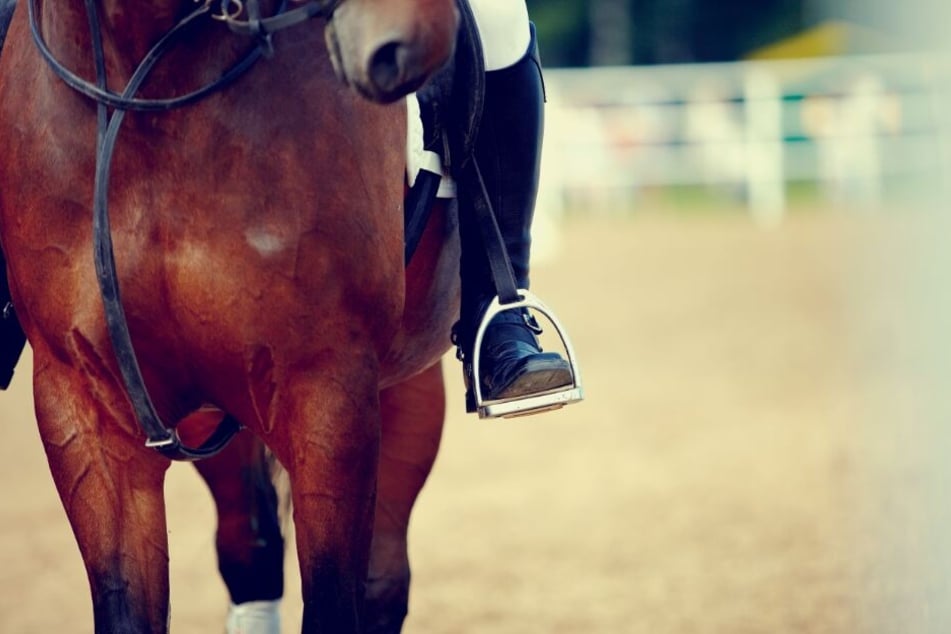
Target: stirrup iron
[[533, 403]]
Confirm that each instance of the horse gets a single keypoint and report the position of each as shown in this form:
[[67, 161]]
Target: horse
[[256, 233]]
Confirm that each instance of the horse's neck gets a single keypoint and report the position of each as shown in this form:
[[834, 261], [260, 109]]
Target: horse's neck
[[134, 25], [66, 22]]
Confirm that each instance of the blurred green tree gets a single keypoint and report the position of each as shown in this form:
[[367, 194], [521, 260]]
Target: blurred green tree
[[594, 32]]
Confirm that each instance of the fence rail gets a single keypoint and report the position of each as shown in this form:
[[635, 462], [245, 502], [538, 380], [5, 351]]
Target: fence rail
[[849, 124]]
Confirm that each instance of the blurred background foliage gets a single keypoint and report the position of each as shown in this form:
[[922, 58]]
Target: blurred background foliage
[[620, 32]]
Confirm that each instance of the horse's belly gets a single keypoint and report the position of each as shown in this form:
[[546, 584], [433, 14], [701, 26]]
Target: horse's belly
[[432, 301]]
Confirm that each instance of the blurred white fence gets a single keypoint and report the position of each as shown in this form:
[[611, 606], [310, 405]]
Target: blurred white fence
[[850, 125]]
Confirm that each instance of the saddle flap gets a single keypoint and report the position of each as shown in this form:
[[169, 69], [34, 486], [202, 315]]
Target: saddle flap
[[6, 15], [451, 102]]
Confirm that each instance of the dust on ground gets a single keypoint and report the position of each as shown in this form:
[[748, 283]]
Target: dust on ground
[[745, 460]]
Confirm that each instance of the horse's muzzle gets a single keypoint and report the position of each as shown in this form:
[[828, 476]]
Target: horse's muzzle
[[386, 59], [392, 72]]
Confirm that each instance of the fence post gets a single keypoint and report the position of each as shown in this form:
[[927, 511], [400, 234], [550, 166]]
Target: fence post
[[765, 182]]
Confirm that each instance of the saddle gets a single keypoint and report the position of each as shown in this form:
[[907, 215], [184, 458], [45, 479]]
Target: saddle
[[451, 109], [6, 14]]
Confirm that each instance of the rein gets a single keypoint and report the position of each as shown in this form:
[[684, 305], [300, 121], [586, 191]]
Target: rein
[[159, 436]]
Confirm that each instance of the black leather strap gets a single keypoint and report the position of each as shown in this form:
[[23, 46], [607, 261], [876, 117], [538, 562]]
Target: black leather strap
[[159, 436], [418, 208], [467, 90], [256, 26], [500, 265], [468, 96], [100, 94]]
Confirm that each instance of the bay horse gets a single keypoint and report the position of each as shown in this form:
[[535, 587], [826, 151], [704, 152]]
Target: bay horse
[[258, 245]]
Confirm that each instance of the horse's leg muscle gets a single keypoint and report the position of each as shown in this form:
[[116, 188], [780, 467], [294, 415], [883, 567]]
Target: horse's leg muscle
[[331, 453], [412, 415], [112, 491]]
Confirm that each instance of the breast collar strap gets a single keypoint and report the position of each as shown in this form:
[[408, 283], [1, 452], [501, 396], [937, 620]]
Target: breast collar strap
[[159, 435]]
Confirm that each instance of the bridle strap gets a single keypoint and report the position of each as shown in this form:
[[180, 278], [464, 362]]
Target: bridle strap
[[110, 99], [281, 20], [256, 26]]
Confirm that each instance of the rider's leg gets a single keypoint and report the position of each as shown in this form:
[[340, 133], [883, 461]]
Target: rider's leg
[[508, 152]]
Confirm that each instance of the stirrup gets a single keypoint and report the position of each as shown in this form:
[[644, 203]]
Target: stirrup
[[533, 403]]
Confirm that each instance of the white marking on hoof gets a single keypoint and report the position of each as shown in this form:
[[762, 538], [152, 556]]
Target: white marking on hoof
[[254, 617]]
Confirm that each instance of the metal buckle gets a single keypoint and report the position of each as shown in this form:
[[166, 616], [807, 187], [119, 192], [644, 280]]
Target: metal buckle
[[160, 443], [533, 403]]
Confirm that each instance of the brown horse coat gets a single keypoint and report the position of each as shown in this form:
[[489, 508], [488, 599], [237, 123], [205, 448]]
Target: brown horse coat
[[258, 238]]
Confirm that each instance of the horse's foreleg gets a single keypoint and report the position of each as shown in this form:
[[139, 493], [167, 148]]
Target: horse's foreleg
[[111, 489], [249, 542], [328, 441], [412, 414]]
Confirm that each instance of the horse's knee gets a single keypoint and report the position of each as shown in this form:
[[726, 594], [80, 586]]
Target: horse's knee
[[387, 602], [116, 610], [387, 589]]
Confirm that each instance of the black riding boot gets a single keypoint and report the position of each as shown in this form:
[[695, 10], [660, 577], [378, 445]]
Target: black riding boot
[[12, 338], [508, 150]]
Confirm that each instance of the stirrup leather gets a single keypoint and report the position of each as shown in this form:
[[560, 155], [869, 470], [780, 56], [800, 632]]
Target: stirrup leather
[[532, 403]]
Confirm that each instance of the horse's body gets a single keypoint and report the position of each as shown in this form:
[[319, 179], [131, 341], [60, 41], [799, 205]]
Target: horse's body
[[259, 247]]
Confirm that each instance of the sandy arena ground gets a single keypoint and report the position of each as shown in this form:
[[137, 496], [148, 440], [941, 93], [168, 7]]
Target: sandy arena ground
[[748, 459]]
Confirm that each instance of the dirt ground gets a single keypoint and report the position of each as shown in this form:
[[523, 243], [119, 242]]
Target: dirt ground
[[754, 454]]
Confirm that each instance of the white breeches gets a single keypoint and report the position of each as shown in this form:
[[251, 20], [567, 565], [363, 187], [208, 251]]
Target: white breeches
[[503, 27]]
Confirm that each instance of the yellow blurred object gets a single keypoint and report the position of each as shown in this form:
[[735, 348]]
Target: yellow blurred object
[[827, 39]]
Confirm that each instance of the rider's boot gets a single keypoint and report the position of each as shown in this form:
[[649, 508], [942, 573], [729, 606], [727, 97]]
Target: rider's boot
[[508, 148], [12, 339]]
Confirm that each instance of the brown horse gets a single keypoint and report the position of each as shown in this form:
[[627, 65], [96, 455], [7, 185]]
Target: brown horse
[[259, 249]]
